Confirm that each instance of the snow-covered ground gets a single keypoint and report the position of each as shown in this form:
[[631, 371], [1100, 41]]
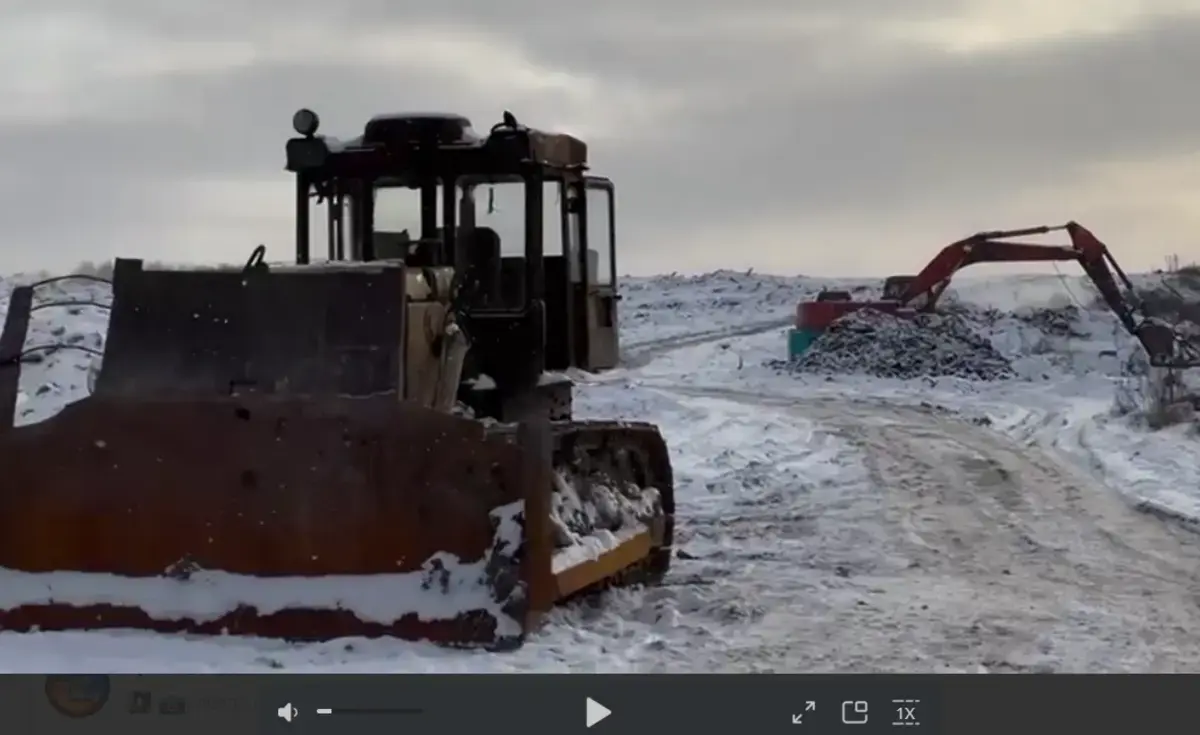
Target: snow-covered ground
[[825, 523]]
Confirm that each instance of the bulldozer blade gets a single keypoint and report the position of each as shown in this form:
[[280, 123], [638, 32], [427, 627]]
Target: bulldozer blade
[[245, 466], [312, 518]]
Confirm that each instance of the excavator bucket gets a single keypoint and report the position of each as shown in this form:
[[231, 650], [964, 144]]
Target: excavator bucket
[[1166, 346], [245, 465]]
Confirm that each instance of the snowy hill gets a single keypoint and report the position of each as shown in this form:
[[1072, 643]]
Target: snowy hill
[[828, 521]]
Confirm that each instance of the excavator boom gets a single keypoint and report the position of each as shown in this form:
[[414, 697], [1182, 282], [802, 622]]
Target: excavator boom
[[982, 247]]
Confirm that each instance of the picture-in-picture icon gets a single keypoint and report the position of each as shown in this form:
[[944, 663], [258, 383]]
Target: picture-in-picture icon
[[854, 712]]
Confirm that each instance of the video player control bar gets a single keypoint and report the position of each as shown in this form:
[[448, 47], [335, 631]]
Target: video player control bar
[[631, 704], [795, 704]]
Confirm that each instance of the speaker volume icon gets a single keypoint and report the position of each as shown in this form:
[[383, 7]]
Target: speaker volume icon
[[287, 712]]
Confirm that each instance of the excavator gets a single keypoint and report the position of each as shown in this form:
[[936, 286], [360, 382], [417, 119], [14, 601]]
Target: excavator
[[377, 444], [908, 294]]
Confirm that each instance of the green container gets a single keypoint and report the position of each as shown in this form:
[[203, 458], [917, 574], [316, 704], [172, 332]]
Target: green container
[[799, 341]]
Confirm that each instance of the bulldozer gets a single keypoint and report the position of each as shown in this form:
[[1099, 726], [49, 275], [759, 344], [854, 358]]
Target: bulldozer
[[379, 443]]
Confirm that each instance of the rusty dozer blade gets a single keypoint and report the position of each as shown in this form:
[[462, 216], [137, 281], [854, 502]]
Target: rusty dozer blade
[[261, 516], [220, 481]]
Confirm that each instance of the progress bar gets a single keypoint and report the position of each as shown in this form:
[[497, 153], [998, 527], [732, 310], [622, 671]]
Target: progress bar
[[369, 711]]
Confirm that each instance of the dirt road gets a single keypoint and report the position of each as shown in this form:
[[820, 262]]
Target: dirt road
[[982, 555]]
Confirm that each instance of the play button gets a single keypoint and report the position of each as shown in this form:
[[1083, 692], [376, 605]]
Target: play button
[[596, 712]]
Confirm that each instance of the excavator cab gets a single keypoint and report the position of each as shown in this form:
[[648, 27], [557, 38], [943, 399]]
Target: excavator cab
[[894, 287], [373, 445]]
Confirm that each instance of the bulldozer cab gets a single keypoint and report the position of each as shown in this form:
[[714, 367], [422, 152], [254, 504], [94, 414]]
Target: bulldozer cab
[[533, 281]]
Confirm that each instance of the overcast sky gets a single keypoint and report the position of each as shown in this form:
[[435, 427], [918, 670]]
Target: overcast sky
[[818, 136]]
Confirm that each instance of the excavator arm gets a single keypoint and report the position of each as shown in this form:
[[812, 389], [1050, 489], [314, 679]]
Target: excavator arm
[[1165, 347], [983, 247], [1104, 271]]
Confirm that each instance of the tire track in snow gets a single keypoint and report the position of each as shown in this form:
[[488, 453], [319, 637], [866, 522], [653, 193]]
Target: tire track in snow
[[1140, 463], [640, 354], [1017, 560], [760, 501]]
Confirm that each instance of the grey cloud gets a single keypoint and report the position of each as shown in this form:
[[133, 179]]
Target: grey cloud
[[53, 222], [973, 126], [182, 20], [761, 129]]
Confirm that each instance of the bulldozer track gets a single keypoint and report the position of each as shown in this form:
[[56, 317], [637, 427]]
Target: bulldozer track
[[1034, 540], [623, 453]]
